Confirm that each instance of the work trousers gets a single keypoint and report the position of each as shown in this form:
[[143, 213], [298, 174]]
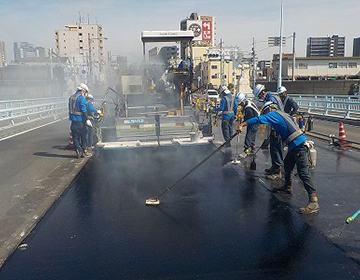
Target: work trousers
[[227, 128], [300, 157], [250, 136], [276, 150], [79, 133], [90, 133]]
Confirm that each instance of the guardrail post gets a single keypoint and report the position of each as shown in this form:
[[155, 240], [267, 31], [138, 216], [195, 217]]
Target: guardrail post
[[310, 124], [326, 111], [347, 111]]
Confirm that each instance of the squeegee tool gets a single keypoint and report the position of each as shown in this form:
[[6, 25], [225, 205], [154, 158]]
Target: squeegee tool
[[152, 201]]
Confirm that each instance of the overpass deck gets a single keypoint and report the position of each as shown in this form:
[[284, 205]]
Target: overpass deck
[[222, 221]]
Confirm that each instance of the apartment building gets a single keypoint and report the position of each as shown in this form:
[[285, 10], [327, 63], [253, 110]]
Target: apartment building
[[333, 46], [83, 44]]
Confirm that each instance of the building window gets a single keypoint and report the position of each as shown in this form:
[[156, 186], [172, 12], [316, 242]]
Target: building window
[[352, 65], [342, 65], [80, 41], [214, 76], [81, 47], [213, 66], [303, 66], [332, 65], [80, 34], [80, 27]]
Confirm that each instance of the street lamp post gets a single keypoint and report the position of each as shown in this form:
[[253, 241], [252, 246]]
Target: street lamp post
[[279, 82]]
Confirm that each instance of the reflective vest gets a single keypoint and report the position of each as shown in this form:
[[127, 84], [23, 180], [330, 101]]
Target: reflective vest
[[293, 130], [279, 102], [251, 105], [72, 104], [285, 101], [229, 104]]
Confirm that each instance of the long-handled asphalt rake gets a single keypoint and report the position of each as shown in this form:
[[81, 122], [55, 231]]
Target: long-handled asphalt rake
[[156, 200]]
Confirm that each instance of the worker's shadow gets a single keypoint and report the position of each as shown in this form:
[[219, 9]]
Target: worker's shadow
[[46, 154], [61, 147]]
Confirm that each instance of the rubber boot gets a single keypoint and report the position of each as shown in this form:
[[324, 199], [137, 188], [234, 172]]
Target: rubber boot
[[312, 207], [86, 154], [269, 170], [286, 188], [78, 153], [274, 174]]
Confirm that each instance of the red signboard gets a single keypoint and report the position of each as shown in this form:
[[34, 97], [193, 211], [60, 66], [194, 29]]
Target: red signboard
[[207, 30]]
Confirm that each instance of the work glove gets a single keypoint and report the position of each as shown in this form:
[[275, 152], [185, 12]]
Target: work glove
[[88, 123], [99, 112]]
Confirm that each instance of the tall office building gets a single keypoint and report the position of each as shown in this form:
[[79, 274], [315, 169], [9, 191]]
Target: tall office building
[[26, 50], [82, 43], [2, 54], [325, 46], [356, 47]]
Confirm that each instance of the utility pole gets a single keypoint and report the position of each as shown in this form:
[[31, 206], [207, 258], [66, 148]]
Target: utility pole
[[293, 60], [90, 58], [254, 64], [222, 83], [51, 64], [279, 82]]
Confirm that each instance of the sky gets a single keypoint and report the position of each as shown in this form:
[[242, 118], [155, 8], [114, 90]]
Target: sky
[[237, 21]]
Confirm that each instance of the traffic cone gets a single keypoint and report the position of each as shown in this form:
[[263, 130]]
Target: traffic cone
[[71, 142], [342, 136]]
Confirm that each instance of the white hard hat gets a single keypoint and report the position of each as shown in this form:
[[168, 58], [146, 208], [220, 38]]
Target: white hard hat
[[89, 96], [281, 89], [240, 96], [268, 105], [82, 86], [223, 89], [257, 89]]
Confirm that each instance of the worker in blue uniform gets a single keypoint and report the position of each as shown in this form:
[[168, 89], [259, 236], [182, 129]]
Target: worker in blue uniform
[[276, 147], [79, 120], [298, 152], [228, 106], [248, 110], [91, 110]]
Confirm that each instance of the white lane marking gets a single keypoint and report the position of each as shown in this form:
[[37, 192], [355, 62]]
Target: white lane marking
[[25, 131]]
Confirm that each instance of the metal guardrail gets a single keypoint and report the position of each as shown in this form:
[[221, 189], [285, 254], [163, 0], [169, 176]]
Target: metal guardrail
[[24, 110], [329, 105]]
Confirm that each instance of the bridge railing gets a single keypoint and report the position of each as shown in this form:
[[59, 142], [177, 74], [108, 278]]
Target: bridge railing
[[13, 111], [326, 105]]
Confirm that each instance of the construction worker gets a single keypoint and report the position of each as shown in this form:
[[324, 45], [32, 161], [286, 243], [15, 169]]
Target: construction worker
[[228, 106], [79, 120], [298, 152], [90, 112], [276, 147], [249, 110], [290, 106]]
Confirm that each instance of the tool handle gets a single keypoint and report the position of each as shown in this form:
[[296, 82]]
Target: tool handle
[[262, 144], [196, 166]]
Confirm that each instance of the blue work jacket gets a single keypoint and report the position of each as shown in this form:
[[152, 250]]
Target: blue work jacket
[[224, 107], [77, 106], [279, 125], [90, 109]]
